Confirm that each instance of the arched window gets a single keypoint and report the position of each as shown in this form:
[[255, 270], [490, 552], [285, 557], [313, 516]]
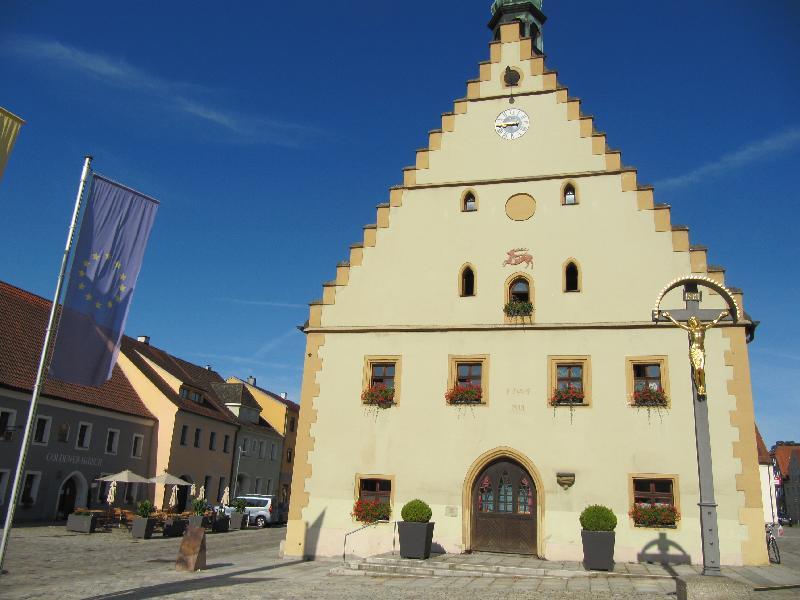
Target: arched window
[[467, 282], [570, 197], [470, 204], [571, 278], [505, 495], [485, 496], [524, 497], [520, 291]]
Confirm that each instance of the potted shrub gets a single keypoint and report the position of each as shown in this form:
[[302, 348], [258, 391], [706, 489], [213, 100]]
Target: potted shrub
[[517, 308], [174, 526], [82, 521], [238, 518], [143, 524], [199, 510], [654, 515], [220, 522], [464, 394], [378, 395], [371, 511], [597, 535], [416, 530]]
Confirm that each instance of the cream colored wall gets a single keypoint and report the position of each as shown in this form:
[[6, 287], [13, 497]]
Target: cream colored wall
[[429, 446], [627, 253], [768, 500]]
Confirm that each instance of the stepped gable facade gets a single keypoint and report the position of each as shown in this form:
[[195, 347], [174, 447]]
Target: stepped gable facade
[[515, 265]]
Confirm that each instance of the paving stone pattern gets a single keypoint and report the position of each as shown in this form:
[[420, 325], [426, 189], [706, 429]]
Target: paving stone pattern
[[49, 562]]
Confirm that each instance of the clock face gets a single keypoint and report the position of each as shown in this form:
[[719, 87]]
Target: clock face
[[512, 123]]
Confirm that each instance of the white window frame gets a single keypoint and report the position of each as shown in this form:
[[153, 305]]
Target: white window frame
[[114, 450], [5, 475], [89, 428], [46, 430], [257, 485], [34, 487], [12, 420], [133, 445], [273, 452]]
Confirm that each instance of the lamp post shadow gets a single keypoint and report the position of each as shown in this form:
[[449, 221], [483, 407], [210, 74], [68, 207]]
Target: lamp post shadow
[[657, 551]]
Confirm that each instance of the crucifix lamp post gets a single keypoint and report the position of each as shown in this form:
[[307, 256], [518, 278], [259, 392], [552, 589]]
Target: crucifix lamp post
[[696, 321]]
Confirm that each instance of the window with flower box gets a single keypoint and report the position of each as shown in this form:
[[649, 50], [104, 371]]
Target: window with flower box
[[373, 498], [654, 501], [467, 382], [569, 381], [381, 381], [647, 381]]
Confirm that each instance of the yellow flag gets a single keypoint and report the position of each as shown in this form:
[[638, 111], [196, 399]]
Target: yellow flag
[[9, 128]]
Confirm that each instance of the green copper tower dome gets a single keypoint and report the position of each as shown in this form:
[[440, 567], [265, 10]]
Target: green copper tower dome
[[529, 15]]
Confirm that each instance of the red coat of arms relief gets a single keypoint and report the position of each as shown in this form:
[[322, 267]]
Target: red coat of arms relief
[[518, 256]]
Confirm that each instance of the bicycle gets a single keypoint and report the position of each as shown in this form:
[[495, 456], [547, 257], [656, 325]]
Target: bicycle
[[772, 545]]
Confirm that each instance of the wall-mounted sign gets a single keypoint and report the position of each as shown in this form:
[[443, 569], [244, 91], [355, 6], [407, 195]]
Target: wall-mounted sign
[[74, 459], [517, 256]]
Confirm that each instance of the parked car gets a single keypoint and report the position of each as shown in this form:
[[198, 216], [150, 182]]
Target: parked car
[[783, 519], [261, 510]]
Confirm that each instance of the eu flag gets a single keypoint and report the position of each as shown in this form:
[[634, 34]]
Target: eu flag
[[108, 255]]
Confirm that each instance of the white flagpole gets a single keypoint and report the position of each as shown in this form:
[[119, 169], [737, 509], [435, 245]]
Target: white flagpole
[[41, 374]]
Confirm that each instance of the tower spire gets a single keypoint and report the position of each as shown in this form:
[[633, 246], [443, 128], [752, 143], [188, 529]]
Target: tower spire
[[529, 15]]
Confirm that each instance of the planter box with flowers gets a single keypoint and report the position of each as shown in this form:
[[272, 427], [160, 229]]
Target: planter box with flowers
[[371, 511], [650, 397], [378, 395], [654, 515], [464, 394], [515, 308], [568, 396]]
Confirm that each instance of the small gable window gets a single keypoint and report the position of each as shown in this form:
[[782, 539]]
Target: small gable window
[[520, 290], [570, 197], [571, 278], [469, 203], [467, 282]]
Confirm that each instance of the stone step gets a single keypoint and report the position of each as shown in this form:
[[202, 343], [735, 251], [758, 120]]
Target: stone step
[[380, 566]]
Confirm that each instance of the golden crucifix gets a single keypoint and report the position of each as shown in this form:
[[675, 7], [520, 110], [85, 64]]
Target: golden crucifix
[[697, 350]]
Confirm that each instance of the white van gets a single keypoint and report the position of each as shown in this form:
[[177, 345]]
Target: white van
[[261, 510]]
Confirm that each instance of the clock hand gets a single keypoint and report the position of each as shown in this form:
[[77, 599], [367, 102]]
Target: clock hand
[[513, 124]]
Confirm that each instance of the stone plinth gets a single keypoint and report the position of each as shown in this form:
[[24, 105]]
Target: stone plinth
[[192, 555], [703, 587]]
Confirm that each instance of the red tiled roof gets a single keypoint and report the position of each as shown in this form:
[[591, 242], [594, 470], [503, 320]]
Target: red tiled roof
[[783, 453], [190, 374], [23, 320], [763, 454]]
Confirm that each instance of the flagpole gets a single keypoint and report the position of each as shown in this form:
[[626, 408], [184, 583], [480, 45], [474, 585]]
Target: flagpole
[[41, 373]]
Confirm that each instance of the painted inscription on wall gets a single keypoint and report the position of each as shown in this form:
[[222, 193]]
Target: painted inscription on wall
[[74, 459]]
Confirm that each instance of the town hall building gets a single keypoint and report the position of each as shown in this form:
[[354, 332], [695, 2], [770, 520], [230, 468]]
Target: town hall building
[[508, 371]]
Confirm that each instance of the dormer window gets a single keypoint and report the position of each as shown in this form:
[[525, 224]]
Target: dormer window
[[192, 395], [196, 397], [184, 393]]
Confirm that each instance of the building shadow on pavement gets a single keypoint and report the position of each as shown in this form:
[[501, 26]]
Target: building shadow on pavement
[[190, 585]]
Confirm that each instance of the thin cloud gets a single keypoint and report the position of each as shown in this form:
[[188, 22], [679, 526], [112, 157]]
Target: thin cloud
[[262, 303], [247, 360], [274, 343], [177, 96], [756, 151]]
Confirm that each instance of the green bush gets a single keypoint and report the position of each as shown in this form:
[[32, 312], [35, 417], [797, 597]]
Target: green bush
[[199, 506], [598, 518], [517, 308], [144, 508], [416, 511], [239, 505]]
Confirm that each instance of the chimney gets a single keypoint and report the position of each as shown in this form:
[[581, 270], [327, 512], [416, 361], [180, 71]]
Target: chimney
[[145, 339], [208, 367], [251, 380], [284, 395]]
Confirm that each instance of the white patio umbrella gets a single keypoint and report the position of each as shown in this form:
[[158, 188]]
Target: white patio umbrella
[[112, 493], [192, 490], [226, 496], [167, 479], [126, 476], [173, 498], [202, 494]]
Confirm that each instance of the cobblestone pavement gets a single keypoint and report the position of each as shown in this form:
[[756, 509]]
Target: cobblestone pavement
[[49, 562]]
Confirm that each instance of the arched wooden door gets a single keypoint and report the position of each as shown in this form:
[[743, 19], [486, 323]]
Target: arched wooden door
[[504, 509]]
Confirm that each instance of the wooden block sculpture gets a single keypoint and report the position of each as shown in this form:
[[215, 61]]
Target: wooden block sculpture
[[192, 555]]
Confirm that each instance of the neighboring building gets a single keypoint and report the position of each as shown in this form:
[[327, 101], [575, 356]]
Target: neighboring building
[[782, 453], [767, 475], [257, 456], [196, 432], [80, 433], [791, 487], [283, 415], [517, 203]]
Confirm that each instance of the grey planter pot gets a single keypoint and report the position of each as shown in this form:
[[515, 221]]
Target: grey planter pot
[[197, 521], [81, 523], [220, 525], [415, 539], [598, 550], [143, 528], [236, 521], [174, 527]]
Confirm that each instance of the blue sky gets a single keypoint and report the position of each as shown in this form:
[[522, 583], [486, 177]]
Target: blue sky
[[269, 156]]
